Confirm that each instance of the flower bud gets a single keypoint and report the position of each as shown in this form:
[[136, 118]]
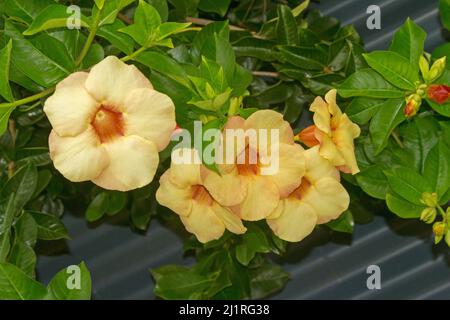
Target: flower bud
[[436, 70], [429, 199], [422, 90], [413, 103], [307, 136], [439, 229], [428, 215], [439, 93], [447, 238], [424, 67]]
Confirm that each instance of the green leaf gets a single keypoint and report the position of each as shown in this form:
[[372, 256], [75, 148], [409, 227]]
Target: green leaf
[[23, 184], [99, 3], [408, 184], [116, 202], [110, 10], [253, 241], [216, 6], [23, 257], [409, 41], [394, 68], [119, 40], [8, 218], [98, 207], [26, 229], [404, 209], [261, 49], [361, 110], [32, 62], [168, 28], [44, 177], [24, 10], [368, 83], [177, 282], [373, 182], [286, 27], [203, 39], [437, 168], [344, 223], [5, 89], [71, 283], [54, 16], [16, 285], [442, 51], [146, 23], [49, 227], [162, 7], [387, 118], [304, 57], [444, 9], [267, 280]]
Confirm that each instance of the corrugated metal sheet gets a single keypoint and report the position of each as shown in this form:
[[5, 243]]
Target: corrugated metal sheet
[[325, 266]]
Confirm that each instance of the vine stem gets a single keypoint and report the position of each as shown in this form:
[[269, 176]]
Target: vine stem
[[205, 22], [269, 74], [90, 39], [134, 54], [29, 99], [397, 139]]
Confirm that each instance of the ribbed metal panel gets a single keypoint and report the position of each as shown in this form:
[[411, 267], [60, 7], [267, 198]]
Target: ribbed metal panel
[[325, 265]]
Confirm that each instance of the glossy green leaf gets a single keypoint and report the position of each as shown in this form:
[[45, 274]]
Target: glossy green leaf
[[71, 283], [304, 57], [361, 110], [110, 10], [387, 118], [23, 184], [54, 16], [253, 241], [16, 285], [267, 280], [26, 230], [444, 10], [24, 10], [403, 208], [373, 181], [97, 207], [162, 7], [437, 168], [394, 68], [216, 6], [118, 39], [254, 47], [49, 227], [409, 41], [368, 83], [5, 89], [344, 223], [23, 257], [408, 184], [286, 27], [99, 3]]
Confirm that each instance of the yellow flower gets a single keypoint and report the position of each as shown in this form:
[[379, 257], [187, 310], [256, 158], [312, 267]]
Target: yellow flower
[[242, 185], [334, 131], [108, 126], [182, 190], [319, 199]]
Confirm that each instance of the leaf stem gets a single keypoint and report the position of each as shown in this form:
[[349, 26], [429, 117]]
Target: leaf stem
[[269, 74], [134, 54], [29, 99], [442, 212], [397, 139], [90, 39]]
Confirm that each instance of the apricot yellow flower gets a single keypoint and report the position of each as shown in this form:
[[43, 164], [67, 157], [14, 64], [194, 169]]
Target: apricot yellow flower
[[108, 126], [319, 199], [182, 190], [241, 185], [334, 132]]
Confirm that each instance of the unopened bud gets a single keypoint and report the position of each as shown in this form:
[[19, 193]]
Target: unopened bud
[[439, 229], [439, 93], [422, 90], [308, 136], [436, 70], [428, 215], [413, 103], [424, 67], [429, 199]]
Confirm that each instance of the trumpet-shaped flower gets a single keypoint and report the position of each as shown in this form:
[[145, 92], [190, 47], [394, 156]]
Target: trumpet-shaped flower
[[108, 126], [182, 190], [319, 198], [334, 132], [242, 184]]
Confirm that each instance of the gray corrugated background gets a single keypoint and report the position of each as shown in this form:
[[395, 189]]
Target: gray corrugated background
[[324, 266]]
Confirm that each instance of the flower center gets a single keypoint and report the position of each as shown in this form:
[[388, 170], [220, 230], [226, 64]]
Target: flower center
[[108, 124], [301, 191], [201, 195], [248, 162]]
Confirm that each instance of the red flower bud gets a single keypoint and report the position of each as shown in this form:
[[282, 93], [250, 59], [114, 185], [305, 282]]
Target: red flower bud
[[439, 93], [411, 109]]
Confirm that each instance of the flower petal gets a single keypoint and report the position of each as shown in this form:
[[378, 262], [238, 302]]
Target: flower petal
[[133, 163], [204, 223], [187, 173], [321, 115], [296, 221], [227, 189], [343, 139], [328, 198], [79, 158], [269, 119], [151, 115], [179, 200], [111, 81], [330, 98], [71, 108], [231, 220], [262, 198], [291, 168], [318, 167]]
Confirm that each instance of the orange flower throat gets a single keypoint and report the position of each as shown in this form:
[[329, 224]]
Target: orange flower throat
[[108, 124]]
